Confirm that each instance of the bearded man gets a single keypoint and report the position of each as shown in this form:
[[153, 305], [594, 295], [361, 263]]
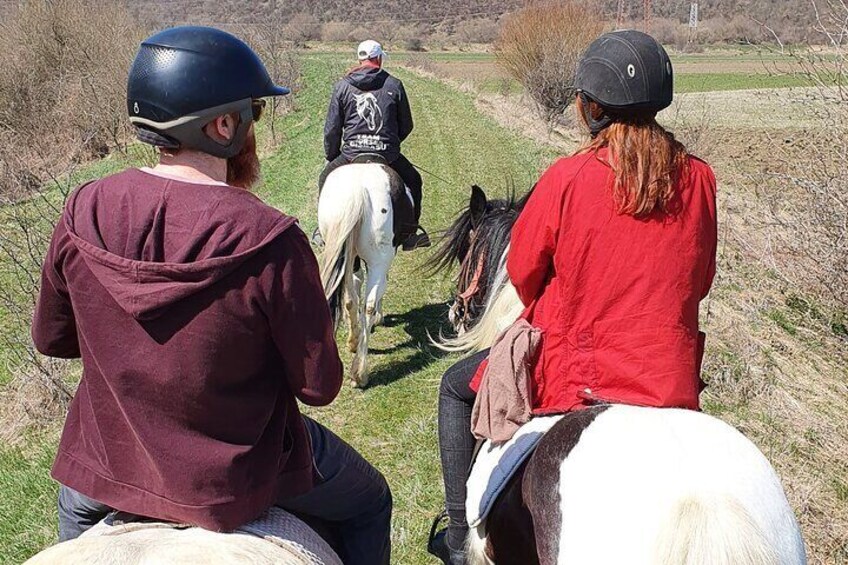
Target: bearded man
[[200, 319]]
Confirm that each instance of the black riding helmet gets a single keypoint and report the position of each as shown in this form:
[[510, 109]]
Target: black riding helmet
[[627, 73], [184, 77]]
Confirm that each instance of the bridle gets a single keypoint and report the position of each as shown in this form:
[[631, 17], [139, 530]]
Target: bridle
[[461, 309]]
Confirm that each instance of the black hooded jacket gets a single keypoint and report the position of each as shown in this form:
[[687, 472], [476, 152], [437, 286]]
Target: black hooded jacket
[[369, 113]]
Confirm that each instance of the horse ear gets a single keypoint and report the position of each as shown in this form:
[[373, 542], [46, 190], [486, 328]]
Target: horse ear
[[478, 204]]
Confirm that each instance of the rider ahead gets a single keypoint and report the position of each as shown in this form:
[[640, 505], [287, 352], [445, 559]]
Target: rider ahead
[[200, 319], [369, 113], [611, 256]]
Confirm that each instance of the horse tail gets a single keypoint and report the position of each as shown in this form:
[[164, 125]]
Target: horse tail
[[475, 547], [339, 225], [715, 531]]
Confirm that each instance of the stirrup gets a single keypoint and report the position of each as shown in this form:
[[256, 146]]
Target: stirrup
[[437, 542], [317, 239]]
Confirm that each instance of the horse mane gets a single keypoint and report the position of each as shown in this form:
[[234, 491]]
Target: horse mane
[[453, 244], [502, 308]]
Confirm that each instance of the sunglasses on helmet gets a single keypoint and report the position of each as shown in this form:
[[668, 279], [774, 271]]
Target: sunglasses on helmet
[[258, 108]]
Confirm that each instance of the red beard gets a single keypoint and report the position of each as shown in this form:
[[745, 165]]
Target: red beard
[[243, 169]]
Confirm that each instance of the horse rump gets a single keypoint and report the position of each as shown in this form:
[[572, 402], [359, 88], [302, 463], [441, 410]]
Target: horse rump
[[712, 531]]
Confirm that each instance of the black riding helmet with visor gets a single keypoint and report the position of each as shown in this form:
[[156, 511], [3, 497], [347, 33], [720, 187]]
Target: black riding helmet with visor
[[185, 77], [627, 73]]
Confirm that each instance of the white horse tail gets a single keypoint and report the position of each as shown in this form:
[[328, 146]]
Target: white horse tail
[[475, 546], [715, 531], [339, 226]]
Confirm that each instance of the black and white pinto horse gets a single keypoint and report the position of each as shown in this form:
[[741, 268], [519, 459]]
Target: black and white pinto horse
[[614, 484], [362, 212]]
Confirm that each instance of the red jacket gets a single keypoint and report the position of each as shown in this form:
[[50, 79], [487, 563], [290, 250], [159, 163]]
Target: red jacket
[[617, 297], [199, 316]]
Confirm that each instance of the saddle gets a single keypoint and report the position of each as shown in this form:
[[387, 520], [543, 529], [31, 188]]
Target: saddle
[[364, 158], [275, 526], [496, 463]]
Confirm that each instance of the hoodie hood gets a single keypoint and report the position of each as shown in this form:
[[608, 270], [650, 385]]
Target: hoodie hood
[[153, 242], [367, 77]]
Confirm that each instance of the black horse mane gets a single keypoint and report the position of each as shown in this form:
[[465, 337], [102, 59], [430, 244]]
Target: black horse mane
[[492, 227]]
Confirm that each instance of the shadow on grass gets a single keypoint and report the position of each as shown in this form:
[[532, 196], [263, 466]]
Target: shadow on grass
[[416, 323]]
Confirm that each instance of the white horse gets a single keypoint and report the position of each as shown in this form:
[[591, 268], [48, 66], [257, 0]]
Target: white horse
[[278, 538], [360, 210], [623, 484]]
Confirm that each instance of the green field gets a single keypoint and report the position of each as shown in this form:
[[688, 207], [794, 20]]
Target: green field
[[392, 422], [713, 82]]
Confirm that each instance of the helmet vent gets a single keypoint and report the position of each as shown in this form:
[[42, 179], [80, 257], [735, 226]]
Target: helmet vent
[[151, 59]]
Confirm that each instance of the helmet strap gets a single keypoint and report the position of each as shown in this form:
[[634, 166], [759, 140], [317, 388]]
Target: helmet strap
[[596, 125], [155, 138]]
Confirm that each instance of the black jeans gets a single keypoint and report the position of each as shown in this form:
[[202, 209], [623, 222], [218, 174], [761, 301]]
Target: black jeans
[[402, 166], [456, 443], [353, 498]]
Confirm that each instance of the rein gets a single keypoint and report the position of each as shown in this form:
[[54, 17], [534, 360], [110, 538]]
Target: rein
[[466, 297]]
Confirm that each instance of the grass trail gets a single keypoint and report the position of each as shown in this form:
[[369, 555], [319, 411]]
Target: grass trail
[[393, 422]]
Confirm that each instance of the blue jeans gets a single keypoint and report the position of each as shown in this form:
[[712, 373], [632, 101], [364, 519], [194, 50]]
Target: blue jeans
[[352, 499]]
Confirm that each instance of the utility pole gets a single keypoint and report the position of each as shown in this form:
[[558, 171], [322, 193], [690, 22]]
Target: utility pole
[[693, 21], [647, 13]]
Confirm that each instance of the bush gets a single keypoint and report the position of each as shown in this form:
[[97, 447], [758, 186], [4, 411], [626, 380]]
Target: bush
[[336, 31], [476, 31], [808, 197], [540, 47], [62, 102], [414, 44], [63, 85], [301, 28]]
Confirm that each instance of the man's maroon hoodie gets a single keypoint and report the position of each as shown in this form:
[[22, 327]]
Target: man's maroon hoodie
[[199, 316]]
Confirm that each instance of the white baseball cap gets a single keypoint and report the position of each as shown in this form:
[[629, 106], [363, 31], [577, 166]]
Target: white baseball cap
[[370, 49]]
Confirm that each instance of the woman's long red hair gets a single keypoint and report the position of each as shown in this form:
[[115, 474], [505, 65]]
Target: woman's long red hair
[[647, 160]]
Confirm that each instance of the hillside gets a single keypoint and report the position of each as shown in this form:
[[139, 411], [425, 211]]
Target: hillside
[[432, 12]]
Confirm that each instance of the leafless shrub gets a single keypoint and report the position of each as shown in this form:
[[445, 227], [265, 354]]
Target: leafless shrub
[[336, 31], [669, 32], [540, 46], [62, 102], [476, 31], [63, 85], [298, 29], [808, 197], [277, 52], [361, 33], [26, 228]]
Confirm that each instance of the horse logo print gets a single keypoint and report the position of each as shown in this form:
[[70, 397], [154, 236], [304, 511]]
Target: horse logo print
[[368, 109]]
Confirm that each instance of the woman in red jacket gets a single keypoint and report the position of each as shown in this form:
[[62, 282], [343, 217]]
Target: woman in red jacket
[[611, 256]]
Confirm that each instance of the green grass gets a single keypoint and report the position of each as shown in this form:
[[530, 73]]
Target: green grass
[[711, 82], [27, 500], [394, 421]]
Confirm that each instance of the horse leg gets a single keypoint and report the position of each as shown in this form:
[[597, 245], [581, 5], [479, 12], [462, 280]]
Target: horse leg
[[376, 289], [352, 306]]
